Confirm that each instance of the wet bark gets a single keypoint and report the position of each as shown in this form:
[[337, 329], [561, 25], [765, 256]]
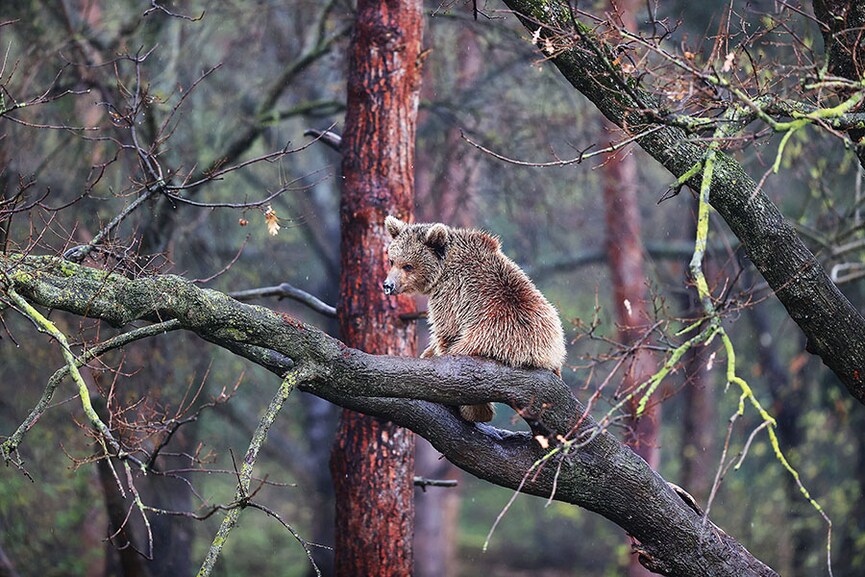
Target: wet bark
[[372, 460], [841, 24]]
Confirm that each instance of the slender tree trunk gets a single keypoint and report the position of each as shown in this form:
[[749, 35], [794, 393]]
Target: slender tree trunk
[[437, 516], [446, 184], [122, 557], [787, 404], [698, 461], [7, 568], [373, 460], [625, 257], [851, 556], [446, 191]]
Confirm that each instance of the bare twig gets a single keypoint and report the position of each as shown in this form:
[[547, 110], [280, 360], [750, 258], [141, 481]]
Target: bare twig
[[242, 495], [285, 290], [584, 154]]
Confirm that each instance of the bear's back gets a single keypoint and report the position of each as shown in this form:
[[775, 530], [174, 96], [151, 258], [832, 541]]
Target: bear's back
[[487, 306]]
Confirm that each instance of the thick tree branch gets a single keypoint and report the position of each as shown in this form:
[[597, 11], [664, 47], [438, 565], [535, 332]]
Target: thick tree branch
[[601, 474], [833, 326]]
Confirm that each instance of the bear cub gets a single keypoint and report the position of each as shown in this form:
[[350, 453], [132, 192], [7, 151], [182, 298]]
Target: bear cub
[[480, 302]]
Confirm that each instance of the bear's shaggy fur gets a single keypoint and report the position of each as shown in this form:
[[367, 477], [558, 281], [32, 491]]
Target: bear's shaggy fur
[[480, 302]]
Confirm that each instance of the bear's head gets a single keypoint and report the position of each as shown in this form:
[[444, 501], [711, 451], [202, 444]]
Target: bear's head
[[416, 256]]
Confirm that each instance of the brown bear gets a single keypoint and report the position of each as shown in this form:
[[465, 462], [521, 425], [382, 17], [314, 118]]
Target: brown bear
[[480, 302]]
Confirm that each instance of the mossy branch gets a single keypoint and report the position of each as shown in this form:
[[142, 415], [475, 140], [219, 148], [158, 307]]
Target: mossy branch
[[705, 297], [599, 474], [10, 445], [835, 329]]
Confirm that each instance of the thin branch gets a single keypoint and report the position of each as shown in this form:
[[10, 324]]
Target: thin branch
[[389, 387], [328, 137], [11, 444], [242, 495], [285, 290], [46, 326], [78, 253], [557, 163], [423, 482]]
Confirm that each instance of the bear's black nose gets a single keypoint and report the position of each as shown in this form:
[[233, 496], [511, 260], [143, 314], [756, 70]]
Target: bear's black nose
[[388, 287]]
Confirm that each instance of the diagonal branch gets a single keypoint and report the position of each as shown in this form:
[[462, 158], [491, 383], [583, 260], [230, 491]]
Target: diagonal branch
[[244, 476], [833, 326]]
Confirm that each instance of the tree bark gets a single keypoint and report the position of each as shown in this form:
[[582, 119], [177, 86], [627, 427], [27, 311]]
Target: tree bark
[[599, 474], [372, 461], [844, 45], [833, 326]]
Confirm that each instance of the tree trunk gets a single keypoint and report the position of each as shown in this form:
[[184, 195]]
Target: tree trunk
[[625, 257], [698, 424], [698, 433], [437, 516], [787, 402], [445, 188], [851, 556], [372, 461], [841, 26]]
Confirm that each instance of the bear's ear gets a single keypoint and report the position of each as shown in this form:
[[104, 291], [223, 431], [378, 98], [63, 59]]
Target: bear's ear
[[437, 238], [394, 226], [491, 242]]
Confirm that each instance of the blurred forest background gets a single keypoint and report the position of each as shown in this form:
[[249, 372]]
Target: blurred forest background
[[215, 84]]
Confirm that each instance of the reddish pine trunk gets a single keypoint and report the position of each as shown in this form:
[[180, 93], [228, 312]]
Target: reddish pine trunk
[[698, 433], [372, 460], [625, 255]]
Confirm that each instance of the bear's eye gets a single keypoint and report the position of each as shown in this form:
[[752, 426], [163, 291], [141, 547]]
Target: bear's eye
[[407, 267], [391, 262]]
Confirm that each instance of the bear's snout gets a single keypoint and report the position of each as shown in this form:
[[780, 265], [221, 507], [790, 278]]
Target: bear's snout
[[388, 286]]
